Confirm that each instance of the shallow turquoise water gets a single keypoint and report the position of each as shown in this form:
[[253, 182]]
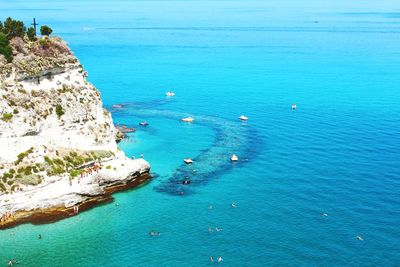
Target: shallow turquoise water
[[337, 153]]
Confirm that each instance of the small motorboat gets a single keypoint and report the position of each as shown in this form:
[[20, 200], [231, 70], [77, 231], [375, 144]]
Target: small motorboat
[[169, 93], [188, 161], [294, 106], [243, 118], [188, 119], [234, 158], [144, 123]]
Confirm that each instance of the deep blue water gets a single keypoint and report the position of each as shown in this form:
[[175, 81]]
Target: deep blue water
[[336, 154]]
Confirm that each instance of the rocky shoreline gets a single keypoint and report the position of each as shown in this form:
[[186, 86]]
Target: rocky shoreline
[[63, 198], [57, 213]]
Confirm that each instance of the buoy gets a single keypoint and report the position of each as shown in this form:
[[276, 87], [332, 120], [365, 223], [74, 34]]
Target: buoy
[[243, 118], [234, 158], [188, 119]]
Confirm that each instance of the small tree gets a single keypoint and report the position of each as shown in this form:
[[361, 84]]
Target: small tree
[[45, 30], [5, 48], [59, 111], [31, 34], [14, 28]]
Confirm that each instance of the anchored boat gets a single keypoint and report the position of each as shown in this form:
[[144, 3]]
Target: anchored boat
[[243, 118], [188, 119]]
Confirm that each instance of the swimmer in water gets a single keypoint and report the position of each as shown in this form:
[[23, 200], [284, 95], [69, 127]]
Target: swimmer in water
[[210, 230], [360, 238], [324, 214], [220, 259], [210, 207], [233, 205], [40, 236], [218, 229], [211, 259]]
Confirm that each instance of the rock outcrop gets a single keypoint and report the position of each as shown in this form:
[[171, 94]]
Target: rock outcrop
[[58, 143]]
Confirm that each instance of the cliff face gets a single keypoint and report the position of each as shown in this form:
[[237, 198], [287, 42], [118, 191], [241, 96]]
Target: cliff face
[[46, 100], [52, 129]]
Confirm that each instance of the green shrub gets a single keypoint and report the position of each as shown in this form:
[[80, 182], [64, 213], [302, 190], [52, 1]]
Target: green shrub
[[14, 188], [2, 187], [28, 170], [58, 162], [13, 28], [75, 173], [5, 48], [48, 160], [22, 155], [7, 117], [8, 175], [32, 179], [31, 34], [45, 43], [45, 30], [59, 110]]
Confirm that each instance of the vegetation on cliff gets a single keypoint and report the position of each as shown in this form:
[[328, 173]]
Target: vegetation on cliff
[[12, 29], [70, 162]]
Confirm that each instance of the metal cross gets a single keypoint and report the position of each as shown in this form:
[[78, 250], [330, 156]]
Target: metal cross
[[34, 24]]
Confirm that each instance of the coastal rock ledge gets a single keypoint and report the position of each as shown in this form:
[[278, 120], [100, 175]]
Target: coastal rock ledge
[[58, 151]]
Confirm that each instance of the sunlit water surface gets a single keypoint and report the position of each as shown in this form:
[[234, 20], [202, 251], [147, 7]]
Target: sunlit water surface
[[336, 154]]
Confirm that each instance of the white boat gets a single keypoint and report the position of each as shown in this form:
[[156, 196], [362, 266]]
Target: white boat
[[294, 106], [188, 161], [169, 93], [243, 118], [188, 119], [234, 158]]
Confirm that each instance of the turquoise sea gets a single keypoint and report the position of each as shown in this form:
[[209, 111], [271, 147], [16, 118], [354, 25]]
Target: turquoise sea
[[338, 153]]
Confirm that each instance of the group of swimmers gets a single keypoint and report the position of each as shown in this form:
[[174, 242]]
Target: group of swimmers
[[76, 209], [210, 230], [153, 233], [220, 259], [11, 262]]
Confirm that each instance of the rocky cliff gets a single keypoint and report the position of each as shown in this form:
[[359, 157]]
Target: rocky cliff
[[54, 133]]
